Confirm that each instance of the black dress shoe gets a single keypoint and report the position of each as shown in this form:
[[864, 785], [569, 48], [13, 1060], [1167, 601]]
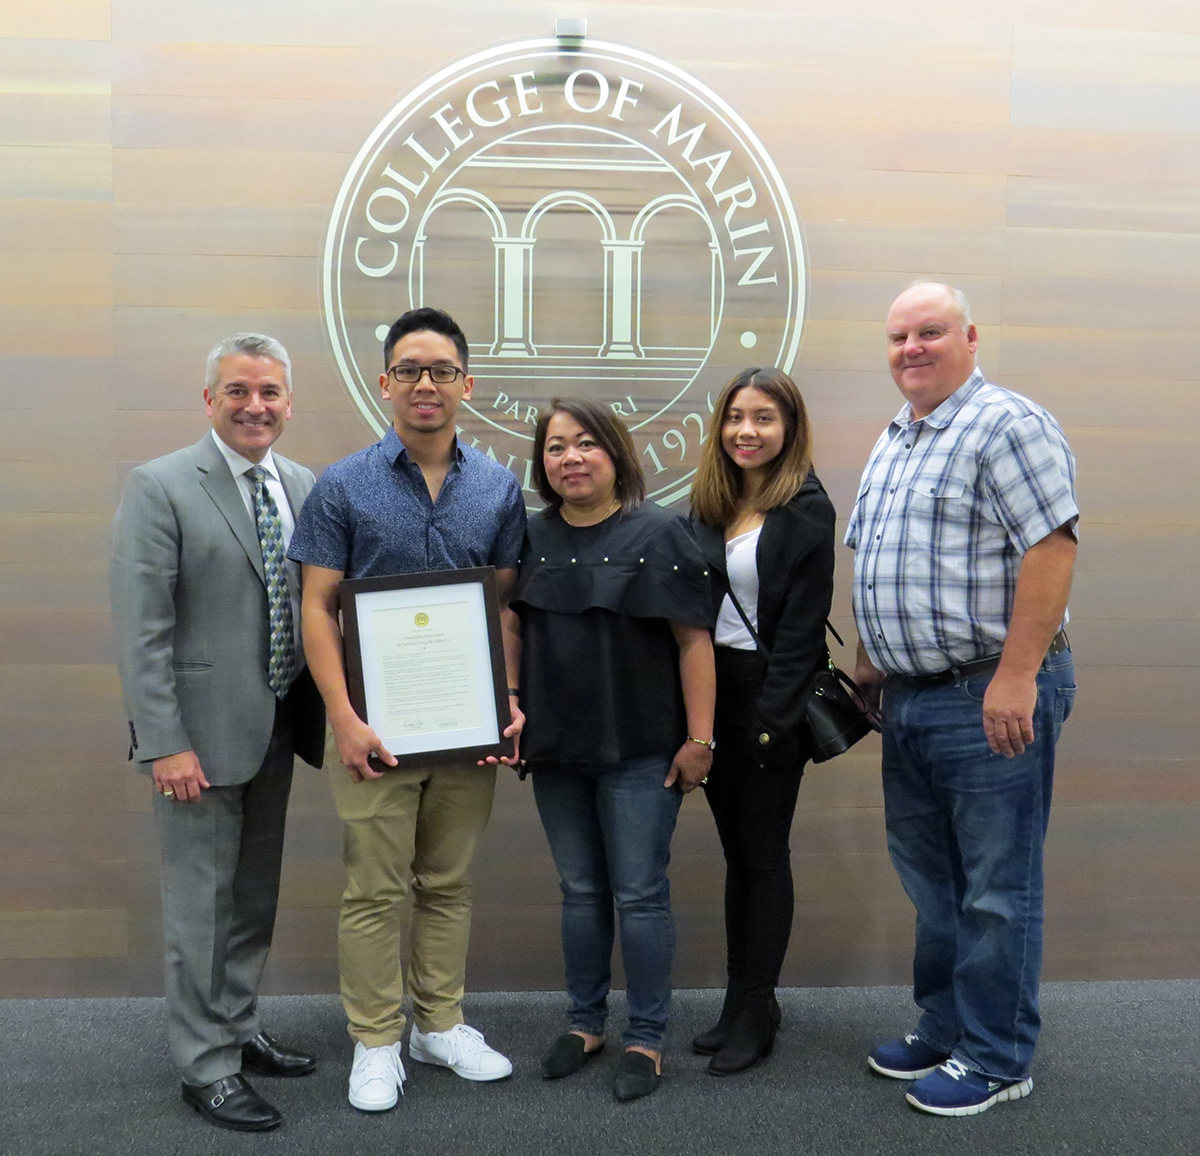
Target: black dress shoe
[[566, 1056], [637, 1076], [232, 1103], [263, 1056]]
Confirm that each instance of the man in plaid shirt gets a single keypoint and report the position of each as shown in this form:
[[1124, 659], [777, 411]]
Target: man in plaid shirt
[[964, 528]]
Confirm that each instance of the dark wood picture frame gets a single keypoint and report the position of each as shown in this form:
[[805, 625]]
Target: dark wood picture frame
[[348, 591]]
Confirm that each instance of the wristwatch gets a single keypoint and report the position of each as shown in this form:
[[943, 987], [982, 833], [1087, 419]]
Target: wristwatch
[[710, 743]]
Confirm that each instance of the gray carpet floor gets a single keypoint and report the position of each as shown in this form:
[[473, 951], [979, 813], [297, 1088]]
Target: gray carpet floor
[[1117, 1071]]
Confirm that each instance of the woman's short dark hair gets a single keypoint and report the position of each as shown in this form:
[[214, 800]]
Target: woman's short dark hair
[[614, 439], [718, 482]]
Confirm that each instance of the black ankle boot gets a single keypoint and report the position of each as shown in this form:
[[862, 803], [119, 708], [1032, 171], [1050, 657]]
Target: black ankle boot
[[710, 1042], [751, 1037]]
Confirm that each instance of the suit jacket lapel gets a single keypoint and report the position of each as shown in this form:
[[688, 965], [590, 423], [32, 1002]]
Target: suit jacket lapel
[[222, 488], [295, 496]]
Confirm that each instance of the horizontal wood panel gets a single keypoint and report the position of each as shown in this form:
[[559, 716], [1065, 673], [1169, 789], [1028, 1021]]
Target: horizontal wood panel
[[266, 71], [219, 230], [206, 177], [902, 248], [1151, 16], [64, 933], [54, 538], [54, 119], [955, 199], [64, 19], [30, 279], [64, 67], [1078, 401], [56, 487], [43, 227], [1035, 202], [78, 330], [56, 172], [24, 690], [1102, 255], [70, 637], [83, 587], [864, 295], [1121, 59], [62, 778], [240, 124], [879, 144], [1128, 158], [859, 89]]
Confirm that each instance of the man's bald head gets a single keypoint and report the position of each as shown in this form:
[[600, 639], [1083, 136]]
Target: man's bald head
[[931, 343]]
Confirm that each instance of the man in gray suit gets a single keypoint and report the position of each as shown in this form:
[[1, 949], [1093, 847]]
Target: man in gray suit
[[219, 701]]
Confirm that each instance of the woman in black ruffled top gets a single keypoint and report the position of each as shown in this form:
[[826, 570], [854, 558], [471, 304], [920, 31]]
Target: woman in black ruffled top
[[617, 688], [766, 526]]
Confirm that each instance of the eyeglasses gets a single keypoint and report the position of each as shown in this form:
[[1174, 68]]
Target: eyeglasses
[[441, 374]]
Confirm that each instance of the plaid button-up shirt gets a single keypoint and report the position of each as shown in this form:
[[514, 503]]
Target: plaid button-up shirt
[[947, 506]]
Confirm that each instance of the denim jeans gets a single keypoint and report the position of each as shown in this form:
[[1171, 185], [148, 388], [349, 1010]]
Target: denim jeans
[[965, 831], [610, 828]]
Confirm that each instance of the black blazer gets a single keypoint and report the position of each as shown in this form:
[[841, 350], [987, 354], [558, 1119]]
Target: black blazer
[[795, 590]]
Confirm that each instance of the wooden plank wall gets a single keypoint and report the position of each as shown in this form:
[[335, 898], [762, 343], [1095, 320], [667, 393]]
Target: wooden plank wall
[[166, 171]]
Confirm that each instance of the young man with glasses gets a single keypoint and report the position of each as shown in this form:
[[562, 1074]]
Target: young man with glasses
[[416, 500]]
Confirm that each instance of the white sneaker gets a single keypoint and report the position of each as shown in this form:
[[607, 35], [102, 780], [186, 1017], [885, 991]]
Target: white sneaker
[[376, 1078], [462, 1050]]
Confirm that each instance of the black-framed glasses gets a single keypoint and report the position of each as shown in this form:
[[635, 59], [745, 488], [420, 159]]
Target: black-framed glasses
[[440, 374]]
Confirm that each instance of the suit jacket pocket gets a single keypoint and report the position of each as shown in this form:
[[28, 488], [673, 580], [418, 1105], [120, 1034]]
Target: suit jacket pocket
[[184, 667]]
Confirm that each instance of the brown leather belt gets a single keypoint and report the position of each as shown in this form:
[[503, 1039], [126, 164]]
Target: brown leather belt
[[966, 670]]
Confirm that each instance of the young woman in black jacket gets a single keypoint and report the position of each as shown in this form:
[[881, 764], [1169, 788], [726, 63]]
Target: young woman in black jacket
[[766, 527]]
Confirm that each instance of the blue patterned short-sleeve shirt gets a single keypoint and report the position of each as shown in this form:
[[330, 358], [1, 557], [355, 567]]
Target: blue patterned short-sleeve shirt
[[371, 514], [947, 506]]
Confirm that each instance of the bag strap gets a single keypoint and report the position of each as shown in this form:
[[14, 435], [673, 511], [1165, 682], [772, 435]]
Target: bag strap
[[742, 614], [759, 642]]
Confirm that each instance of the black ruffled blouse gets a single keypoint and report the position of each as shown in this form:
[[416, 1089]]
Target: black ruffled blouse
[[599, 665]]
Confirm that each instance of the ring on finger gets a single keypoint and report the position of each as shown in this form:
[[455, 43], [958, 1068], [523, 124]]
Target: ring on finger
[[168, 794]]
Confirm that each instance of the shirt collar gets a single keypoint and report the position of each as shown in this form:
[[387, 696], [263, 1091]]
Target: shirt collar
[[238, 465], [397, 452], [944, 414]]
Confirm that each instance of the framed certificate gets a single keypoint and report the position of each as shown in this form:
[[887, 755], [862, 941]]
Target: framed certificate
[[425, 663]]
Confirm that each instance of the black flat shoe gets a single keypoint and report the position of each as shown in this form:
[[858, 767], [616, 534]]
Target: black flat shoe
[[264, 1057], [232, 1103], [566, 1056], [636, 1076]]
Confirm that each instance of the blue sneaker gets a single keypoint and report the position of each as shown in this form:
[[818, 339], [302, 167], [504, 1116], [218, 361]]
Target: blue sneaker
[[906, 1059], [953, 1089]]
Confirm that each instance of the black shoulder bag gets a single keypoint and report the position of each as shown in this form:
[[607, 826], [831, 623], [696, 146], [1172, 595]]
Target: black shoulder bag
[[835, 712]]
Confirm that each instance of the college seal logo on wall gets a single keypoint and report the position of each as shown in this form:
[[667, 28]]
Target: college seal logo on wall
[[599, 222]]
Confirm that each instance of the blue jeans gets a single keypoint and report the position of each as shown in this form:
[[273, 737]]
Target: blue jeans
[[610, 828], [965, 831]]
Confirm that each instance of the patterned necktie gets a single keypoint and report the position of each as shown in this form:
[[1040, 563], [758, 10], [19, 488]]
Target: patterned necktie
[[279, 599]]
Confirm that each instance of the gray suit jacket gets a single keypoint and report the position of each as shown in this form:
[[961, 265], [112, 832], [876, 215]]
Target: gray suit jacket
[[190, 609]]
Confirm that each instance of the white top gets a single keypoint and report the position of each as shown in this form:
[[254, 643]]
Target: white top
[[741, 564]]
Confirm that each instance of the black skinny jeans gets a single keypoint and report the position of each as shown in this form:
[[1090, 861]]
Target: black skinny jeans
[[753, 809]]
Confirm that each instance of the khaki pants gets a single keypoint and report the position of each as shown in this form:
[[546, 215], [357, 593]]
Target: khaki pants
[[415, 827]]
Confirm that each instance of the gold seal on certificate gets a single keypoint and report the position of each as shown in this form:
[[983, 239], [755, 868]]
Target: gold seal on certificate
[[425, 664]]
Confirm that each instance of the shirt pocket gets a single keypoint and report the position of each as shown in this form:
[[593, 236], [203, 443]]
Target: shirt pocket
[[930, 490]]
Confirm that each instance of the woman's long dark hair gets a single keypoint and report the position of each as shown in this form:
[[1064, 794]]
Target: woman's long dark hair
[[718, 486]]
